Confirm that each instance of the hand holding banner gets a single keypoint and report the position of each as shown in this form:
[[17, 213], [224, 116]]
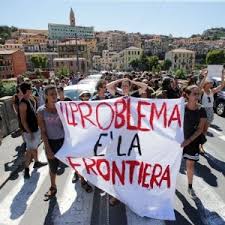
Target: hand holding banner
[[128, 147]]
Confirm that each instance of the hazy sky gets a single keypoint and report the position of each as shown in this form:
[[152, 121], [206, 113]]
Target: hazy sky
[[179, 18]]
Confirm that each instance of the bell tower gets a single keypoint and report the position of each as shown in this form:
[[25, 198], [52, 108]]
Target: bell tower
[[72, 18]]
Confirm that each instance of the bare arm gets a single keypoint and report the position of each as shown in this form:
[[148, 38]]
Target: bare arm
[[205, 73], [23, 111], [15, 107], [142, 86], [44, 137], [111, 87], [221, 86]]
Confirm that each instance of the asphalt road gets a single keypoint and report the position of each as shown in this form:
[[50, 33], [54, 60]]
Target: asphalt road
[[21, 202]]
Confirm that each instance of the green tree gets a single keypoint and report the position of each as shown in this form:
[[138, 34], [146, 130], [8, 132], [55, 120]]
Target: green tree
[[6, 33], [180, 74], [39, 61], [215, 57], [144, 63], [62, 72], [135, 64], [166, 64], [153, 62]]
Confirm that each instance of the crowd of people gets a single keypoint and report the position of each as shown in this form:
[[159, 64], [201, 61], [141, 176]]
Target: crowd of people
[[34, 104]]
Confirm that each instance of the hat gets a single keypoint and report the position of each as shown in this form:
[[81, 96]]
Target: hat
[[84, 92]]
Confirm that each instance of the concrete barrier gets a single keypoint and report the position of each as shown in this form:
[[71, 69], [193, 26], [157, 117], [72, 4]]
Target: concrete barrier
[[9, 118]]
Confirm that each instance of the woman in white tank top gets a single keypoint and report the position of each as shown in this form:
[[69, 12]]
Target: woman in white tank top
[[207, 99]]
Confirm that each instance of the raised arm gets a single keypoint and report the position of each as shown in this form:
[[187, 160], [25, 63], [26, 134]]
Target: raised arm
[[221, 86], [205, 74], [142, 86], [111, 87]]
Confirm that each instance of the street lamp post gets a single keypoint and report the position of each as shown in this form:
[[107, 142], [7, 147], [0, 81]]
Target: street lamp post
[[77, 54]]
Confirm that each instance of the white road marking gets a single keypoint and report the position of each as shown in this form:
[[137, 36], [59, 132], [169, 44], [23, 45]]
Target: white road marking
[[19, 199], [134, 219], [219, 133], [209, 204], [74, 205]]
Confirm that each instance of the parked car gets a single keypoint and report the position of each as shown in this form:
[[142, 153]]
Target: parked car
[[219, 98], [89, 84], [73, 91]]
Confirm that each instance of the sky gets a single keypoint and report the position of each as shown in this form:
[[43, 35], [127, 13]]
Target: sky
[[179, 18]]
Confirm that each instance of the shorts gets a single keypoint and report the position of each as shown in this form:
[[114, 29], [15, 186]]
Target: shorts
[[210, 114], [55, 145], [32, 144], [192, 151]]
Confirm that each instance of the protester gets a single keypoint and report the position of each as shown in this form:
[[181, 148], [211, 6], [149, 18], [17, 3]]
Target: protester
[[84, 96], [39, 93], [52, 133], [207, 99], [194, 120], [101, 91], [125, 89], [30, 128], [61, 95]]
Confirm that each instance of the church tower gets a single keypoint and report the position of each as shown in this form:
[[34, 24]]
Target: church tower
[[72, 18]]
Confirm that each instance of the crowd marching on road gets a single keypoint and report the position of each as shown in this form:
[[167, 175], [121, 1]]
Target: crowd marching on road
[[34, 105]]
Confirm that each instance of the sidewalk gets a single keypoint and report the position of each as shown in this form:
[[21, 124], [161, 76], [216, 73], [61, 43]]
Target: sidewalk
[[11, 160]]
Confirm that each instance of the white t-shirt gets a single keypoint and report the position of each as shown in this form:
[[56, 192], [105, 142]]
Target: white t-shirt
[[207, 100]]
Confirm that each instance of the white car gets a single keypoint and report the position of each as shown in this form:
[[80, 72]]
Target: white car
[[73, 91]]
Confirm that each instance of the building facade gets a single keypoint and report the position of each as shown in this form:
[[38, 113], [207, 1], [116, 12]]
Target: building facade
[[71, 64], [128, 55], [49, 55], [12, 47], [181, 59], [12, 63], [63, 31], [117, 61]]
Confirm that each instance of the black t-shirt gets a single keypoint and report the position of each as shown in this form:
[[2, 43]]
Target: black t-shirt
[[173, 93], [31, 117], [134, 93], [97, 97], [192, 119]]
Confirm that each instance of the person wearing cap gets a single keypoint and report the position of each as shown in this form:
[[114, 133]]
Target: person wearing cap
[[85, 95], [207, 99]]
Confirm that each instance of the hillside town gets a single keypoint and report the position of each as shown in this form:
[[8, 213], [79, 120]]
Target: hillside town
[[112, 127], [69, 48]]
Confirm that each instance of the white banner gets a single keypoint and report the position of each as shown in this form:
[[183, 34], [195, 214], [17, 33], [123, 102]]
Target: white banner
[[214, 71], [128, 147]]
